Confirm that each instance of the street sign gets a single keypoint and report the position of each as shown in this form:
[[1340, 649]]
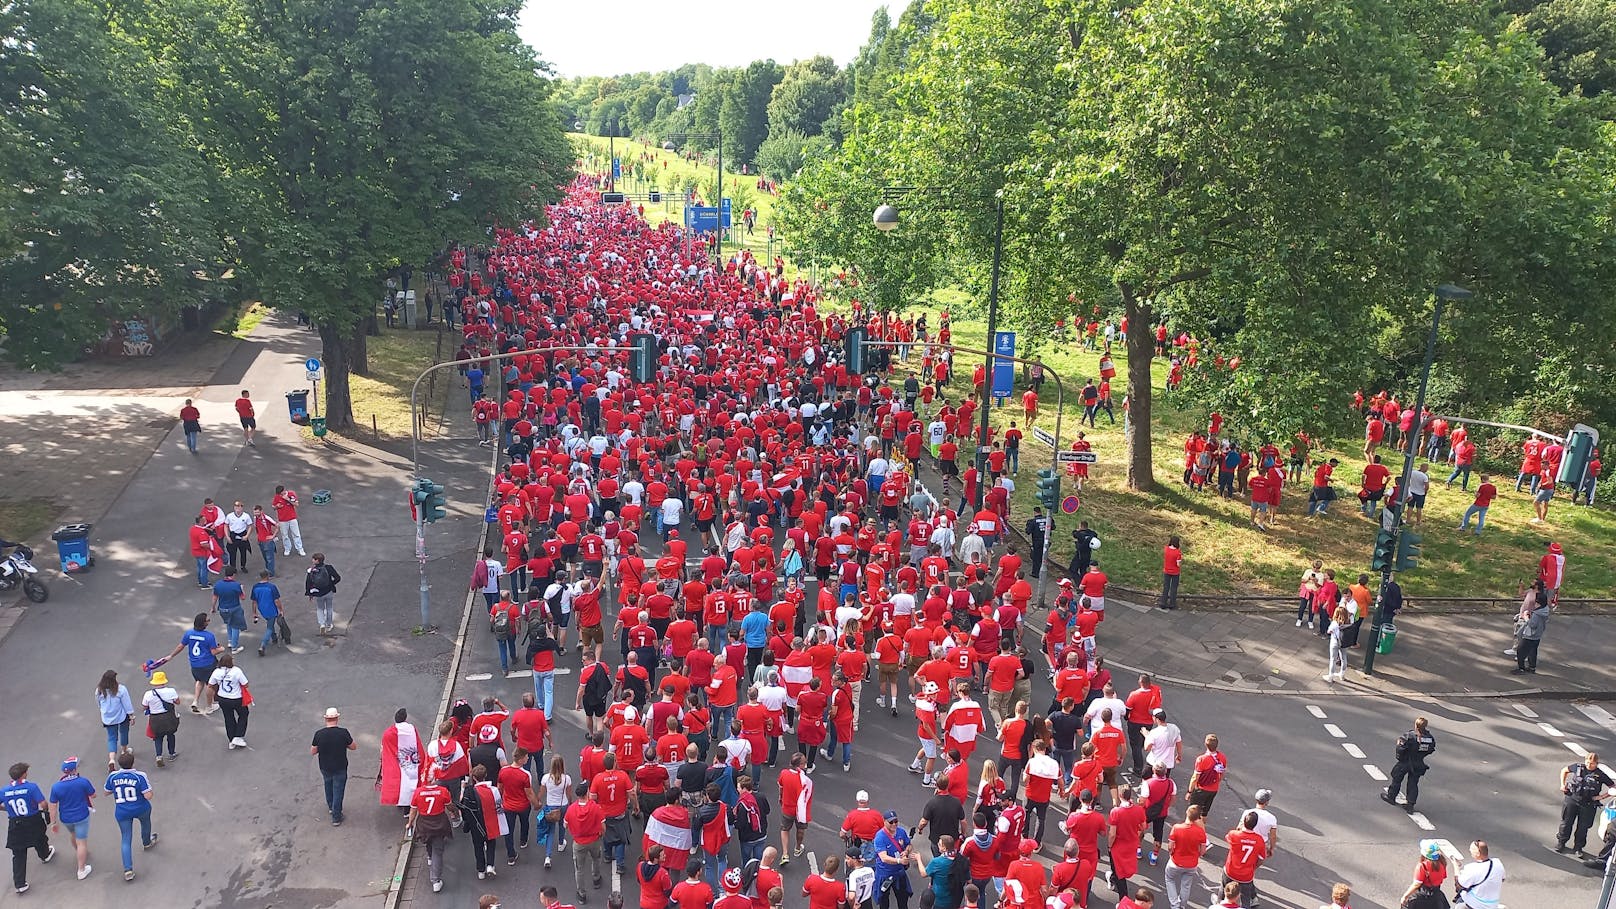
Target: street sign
[[312, 364], [1043, 436], [706, 218], [1069, 505], [1004, 371], [617, 168], [313, 376], [1076, 457]]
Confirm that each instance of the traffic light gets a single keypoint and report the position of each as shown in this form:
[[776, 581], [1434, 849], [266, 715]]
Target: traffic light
[[642, 360], [855, 351], [1408, 551], [1049, 491], [430, 500], [1385, 551]]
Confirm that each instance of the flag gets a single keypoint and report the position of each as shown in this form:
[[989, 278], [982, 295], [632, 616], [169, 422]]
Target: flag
[[669, 827]]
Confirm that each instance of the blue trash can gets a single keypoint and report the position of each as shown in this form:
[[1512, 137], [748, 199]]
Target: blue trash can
[[73, 547], [297, 402]]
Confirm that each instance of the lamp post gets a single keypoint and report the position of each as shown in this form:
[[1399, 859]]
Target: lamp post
[[886, 219], [715, 136], [1445, 293]]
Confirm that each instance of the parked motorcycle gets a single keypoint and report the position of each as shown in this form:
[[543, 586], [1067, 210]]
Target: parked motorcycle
[[17, 569]]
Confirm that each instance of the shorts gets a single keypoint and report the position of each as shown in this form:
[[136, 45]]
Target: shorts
[[1108, 776], [1418, 501], [563, 620], [704, 526], [1097, 604], [914, 664], [928, 747], [1260, 507], [1544, 494], [888, 675], [203, 673], [569, 552], [591, 635], [594, 569], [789, 823], [246, 423], [948, 468], [80, 830]]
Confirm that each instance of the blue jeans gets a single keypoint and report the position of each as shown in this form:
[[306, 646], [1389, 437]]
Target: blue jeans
[[126, 831], [266, 548], [1480, 511], [713, 867], [202, 570], [544, 691], [336, 785], [507, 651], [1461, 469], [233, 620], [269, 632], [1068, 759], [753, 850], [717, 636], [190, 441], [722, 717], [1013, 455], [1521, 478], [118, 736]]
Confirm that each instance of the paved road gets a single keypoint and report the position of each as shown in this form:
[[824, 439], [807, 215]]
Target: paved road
[[240, 828]]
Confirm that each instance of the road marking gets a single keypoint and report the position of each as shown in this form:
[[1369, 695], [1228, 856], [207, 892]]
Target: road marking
[[1421, 821], [563, 670], [479, 676], [1334, 730], [1353, 750], [617, 878], [813, 864], [1317, 711], [1550, 730], [1374, 773], [520, 674], [1576, 749], [1599, 715], [1525, 711]]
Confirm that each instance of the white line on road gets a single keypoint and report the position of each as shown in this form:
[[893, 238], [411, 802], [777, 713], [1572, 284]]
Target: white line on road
[[479, 676], [1374, 773], [1525, 711], [617, 878], [1317, 711], [1599, 715], [813, 864], [1334, 730], [1421, 821], [1549, 730], [1576, 749], [1353, 750]]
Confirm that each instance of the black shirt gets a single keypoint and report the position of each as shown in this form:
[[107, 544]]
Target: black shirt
[[1065, 728], [943, 816], [692, 776], [331, 744]]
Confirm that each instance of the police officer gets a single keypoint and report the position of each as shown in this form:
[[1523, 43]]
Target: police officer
[[1037, 531], [29, 815], [1083, 540], [1412, 748], [1585, 785]]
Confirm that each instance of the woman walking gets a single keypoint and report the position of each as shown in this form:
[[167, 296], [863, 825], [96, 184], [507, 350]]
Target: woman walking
[[1425, 892], [161, 703], [433, 816], [116, 711], [481, 817], [1337, 670], [229, 686], [557, 787], [1312, 579], [990, 792]]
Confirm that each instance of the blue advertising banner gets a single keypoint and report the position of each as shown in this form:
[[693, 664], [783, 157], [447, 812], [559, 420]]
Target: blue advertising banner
[[617, 168], [1004, 371], [705, 218]]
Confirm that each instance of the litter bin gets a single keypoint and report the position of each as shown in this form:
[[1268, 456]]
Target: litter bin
[[1388, 637], [73, 547], [319, 426], [297, 402]]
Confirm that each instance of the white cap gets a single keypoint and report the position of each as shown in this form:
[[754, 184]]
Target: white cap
[[862, 796]]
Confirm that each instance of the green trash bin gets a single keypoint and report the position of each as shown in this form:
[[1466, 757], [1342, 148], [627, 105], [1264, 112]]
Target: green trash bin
[[318, 423], [1388, 637]]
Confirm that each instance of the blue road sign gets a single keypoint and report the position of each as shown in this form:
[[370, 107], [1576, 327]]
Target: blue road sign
[[1004, 371], [312, 364], [705, 218], [617, 168]]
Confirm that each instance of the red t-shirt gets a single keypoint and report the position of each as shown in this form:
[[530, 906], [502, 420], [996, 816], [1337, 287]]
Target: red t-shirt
[[1187, 842], [1247, 849]]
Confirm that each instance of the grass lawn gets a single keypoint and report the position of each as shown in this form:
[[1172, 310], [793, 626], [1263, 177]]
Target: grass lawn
[[1224, 553], [397, 356], [27, 519]]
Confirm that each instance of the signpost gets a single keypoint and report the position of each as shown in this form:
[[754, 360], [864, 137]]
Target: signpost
[[1076, 457], [1043, 436], [312, 364], [1004, 370], [1069, 505]]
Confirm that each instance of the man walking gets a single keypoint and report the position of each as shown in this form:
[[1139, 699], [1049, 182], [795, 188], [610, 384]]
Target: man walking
[[331, 745], [27, 816], [266, 529], [321, 586], [249, 422], [266, 604], [1172, 564], [131, 798], [1412, 748], [71, 797], [1585, 786]]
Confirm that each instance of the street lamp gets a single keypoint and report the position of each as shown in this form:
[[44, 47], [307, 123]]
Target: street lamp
[[885, 218], [1444, 293]]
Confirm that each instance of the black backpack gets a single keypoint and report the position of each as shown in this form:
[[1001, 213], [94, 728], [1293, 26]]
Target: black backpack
[[596, 688], [959, 874]]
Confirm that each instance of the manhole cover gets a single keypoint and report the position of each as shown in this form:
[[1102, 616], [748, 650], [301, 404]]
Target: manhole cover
[[1222, 646]]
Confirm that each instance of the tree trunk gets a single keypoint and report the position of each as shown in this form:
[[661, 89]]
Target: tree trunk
[[334, 350], [359, 352], [1141, 347], [373, 325]]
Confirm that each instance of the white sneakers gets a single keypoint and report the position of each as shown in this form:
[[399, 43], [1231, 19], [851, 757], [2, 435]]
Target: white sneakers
[[84, 872], [1336, 677], [237, 742]]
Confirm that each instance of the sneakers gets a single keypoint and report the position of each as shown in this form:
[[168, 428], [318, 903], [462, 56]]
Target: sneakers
[[84, 872], [847, 766], [195, 709], [211, 710], [547, 861], [49, 855], [238, 742], [491, 872], [231, 744], [1298, 623], [260, 651], [511, 860], [129, 874], [1329, 677], [23, 889], [914, 767], [237, 649], [894, 711], [1510, 652], [800, 849], [785, 860], [1155, 856], [481, 875], [880, 701], [437, 886], [928, 780], [150, 843]]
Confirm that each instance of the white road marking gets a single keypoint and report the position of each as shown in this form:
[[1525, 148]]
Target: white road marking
[[521, 674], [1525, 711], [1374, 773], [617, 879], [1576, 749], [1317, 711], [1600, 715], [563, 670], [479, 676], [1334, 730], [1421, 821], [1551, 731], [813, 864], [1354, 750]]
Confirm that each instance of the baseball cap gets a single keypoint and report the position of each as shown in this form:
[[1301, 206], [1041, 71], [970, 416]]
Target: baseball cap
[[1028, 847], [1158, 712], [70, 764], [890, 815], [331, 713], [488, 734], [1264, 795], [862, 796]]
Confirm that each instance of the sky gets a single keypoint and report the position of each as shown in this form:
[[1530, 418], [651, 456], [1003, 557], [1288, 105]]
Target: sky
[[579, 40]]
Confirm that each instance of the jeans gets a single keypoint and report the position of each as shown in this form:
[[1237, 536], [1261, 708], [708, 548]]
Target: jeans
[[266, 548], [507, 651], [233, 620], [713, 866], [1013, 455], [717, 635], [126, 831], [514, 820], [753, 850], [1169, 596], [324, 611], [722, 717], [1304, 609], [1067, 757], [1179, 883], [202, 571], [190, 441], [1461, 469], [118, 736], [1521, 478], [157, 743], [235, 718], [1480, 511], [544, 691], [269, 633], [556, 834], [336, 785]]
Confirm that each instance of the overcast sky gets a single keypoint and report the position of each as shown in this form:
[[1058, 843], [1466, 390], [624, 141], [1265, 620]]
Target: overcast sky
[[579, 39]]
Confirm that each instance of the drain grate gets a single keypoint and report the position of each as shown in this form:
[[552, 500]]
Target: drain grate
[[1222, 646]]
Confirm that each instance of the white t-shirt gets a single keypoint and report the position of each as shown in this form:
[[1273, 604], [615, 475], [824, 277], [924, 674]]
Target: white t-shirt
[[555, 794], [1161, 745], [230, 681], [903, 603], [633, 490], [773, 697], [1118, 711], [1266, 823], [152, 703], [238, 523], [1418, 482], [673, 510], [937, 432], [878, 467], [1486, 880]]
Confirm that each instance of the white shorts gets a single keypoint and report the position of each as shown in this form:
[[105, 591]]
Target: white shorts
[[1088, 644], [928, 747], [1097, 604]]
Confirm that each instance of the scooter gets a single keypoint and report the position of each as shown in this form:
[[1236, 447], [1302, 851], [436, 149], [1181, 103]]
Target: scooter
[[18, 569]]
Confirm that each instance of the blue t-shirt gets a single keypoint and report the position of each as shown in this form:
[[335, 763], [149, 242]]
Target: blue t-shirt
[[129, 788], [893, 842], [72, 799], [938, 871], [265, 594], [756, 628], [474, 377], [199, 646], [22, 799], [229, 593]]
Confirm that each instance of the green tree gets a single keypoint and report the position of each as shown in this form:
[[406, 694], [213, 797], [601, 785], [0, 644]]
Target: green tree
[[743, 115], [808, 92], [781, 156]]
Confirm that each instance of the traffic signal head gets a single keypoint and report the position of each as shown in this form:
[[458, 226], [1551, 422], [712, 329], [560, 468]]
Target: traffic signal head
[[1385, 550], [1049, 491], [856, 352], [430, 500], [1408, 551], [642, 360]]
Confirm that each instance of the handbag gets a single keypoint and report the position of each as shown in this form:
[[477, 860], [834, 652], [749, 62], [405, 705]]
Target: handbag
[[284, 629], [246, 696], [1426, 897], [165, 723]]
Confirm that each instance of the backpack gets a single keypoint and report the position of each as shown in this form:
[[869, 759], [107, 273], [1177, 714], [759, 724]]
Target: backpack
[[959, 874], [499, 621], [1156, 809], [596, 689]]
